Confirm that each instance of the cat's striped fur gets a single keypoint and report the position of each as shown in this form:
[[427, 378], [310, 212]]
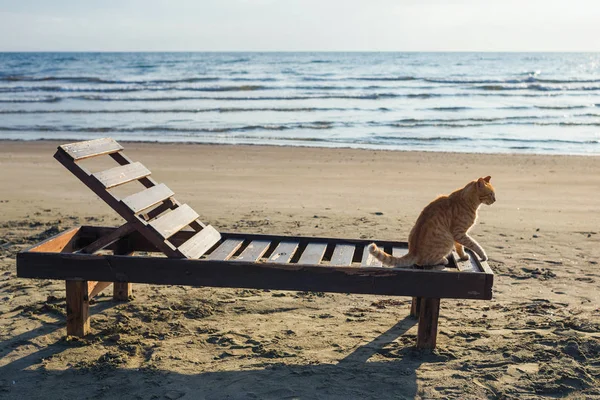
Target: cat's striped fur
[[442, 226]]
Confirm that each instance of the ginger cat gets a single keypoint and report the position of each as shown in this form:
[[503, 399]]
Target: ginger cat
[[443, 225]]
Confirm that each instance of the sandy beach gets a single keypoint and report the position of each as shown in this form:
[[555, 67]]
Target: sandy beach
[[538, 337]]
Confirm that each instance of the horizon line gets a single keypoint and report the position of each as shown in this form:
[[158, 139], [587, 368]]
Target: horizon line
[[299, 51]]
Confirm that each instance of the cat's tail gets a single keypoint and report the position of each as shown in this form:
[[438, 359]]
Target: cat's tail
[[406, 260]]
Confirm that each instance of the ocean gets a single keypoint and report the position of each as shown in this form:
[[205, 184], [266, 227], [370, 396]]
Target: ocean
[[545, 103]]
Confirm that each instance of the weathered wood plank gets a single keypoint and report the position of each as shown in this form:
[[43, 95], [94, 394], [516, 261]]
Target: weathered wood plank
[[467, 265], [109, 239], [428, 323], [283, 252], [313, 253], [122, 174], [62, 242], [485, 267], [342, 254], [368, 260], [96, 287], [173, 221], [254, 250], [200, 243], [147, 198], [225, 250], [78, 315], [91, 148], [312, 239], [244, 274], [122, 159]]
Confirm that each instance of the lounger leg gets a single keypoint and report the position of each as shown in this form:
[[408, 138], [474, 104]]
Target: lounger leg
[[122, 291], [414, 307], [428, 323], [78, 315]]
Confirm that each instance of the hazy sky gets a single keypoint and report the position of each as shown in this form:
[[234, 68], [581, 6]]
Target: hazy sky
[[297, 25]]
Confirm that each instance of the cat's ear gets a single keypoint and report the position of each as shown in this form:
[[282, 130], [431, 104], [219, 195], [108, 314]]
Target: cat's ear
[[480, 183], [487, 178]]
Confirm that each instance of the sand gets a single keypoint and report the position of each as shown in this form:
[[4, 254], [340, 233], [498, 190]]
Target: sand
[[539, 336]]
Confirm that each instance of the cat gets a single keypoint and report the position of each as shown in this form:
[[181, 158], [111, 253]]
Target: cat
[[443, 225]]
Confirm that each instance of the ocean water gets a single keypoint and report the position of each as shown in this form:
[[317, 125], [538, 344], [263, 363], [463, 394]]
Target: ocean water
[[545, 103]]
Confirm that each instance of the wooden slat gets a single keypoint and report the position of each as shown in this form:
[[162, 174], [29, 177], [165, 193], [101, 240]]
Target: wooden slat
[[368, 260], [254, 250], [109, 239], [200, 243], [91, 148], [145, 199], [120, 175], [96, 287], [122, 159], [173, 221], [225, 250], [313, 254], [62, 242], [283, 252], [465, 266], [342, 254]]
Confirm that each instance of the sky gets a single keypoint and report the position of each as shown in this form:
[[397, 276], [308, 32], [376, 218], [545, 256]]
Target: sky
[[299, 25]]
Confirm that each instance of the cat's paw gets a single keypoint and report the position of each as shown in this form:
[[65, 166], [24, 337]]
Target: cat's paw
[[483, 257], [465, 257]]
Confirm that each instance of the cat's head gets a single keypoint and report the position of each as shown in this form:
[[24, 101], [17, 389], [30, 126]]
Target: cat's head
[[485, 191]]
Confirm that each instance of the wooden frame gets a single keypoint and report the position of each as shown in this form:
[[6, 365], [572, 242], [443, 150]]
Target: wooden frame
[[60, 258]]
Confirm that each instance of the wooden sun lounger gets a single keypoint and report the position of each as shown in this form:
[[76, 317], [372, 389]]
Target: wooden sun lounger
[[90, 258]]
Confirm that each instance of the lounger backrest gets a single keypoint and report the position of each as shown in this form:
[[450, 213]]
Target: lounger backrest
[[153, 212]]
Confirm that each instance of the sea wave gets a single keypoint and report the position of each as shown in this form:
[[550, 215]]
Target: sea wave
[[129, 89], [490, 122], [528, 79], [97, 80], [472, 139], [182, 110], [399, 91], [46, 99], [544, 88], [365, 96], [317, 125], [307, 78], [314, 125]]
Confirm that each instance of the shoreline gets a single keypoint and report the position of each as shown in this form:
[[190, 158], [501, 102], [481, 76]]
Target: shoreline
[[188, 143]]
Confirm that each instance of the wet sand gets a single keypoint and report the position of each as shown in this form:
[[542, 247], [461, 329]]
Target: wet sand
[[539, 336]]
